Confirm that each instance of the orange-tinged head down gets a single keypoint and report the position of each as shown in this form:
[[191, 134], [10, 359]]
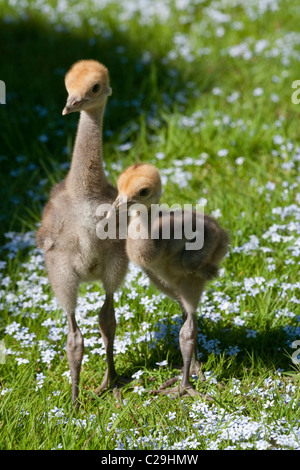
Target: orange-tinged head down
[[140, 183], [87, 84]]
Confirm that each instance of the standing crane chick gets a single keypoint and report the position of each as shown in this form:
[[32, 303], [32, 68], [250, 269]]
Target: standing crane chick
[[176, 270], [73, 252]]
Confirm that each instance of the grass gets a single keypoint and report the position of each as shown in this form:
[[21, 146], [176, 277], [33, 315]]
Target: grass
[[203, 90]]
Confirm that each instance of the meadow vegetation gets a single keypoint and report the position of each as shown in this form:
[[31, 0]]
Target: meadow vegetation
[[202, 89]]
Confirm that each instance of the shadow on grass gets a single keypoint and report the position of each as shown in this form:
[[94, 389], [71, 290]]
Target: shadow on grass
[[34, 135], [228, 348]]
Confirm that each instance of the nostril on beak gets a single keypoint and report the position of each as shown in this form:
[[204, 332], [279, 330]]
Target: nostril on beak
[[72, 102]]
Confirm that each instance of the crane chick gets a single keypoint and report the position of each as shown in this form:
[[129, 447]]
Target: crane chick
[[73, 252], [171, 264]]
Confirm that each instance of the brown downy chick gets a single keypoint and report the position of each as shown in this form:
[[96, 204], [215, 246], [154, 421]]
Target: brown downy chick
[[176, 270], [73, 252]]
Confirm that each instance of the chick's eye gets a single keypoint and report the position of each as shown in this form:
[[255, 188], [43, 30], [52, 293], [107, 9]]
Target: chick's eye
[[144, 192], [96, 88]]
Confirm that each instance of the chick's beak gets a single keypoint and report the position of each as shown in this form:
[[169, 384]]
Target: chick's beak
[[120, 204], [73, 104]]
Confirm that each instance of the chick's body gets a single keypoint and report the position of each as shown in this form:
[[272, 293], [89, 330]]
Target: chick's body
[[179, 250]]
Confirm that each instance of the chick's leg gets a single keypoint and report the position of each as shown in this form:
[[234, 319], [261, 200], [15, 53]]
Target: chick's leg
[[75, 350], [107, 324], [188, 299]]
